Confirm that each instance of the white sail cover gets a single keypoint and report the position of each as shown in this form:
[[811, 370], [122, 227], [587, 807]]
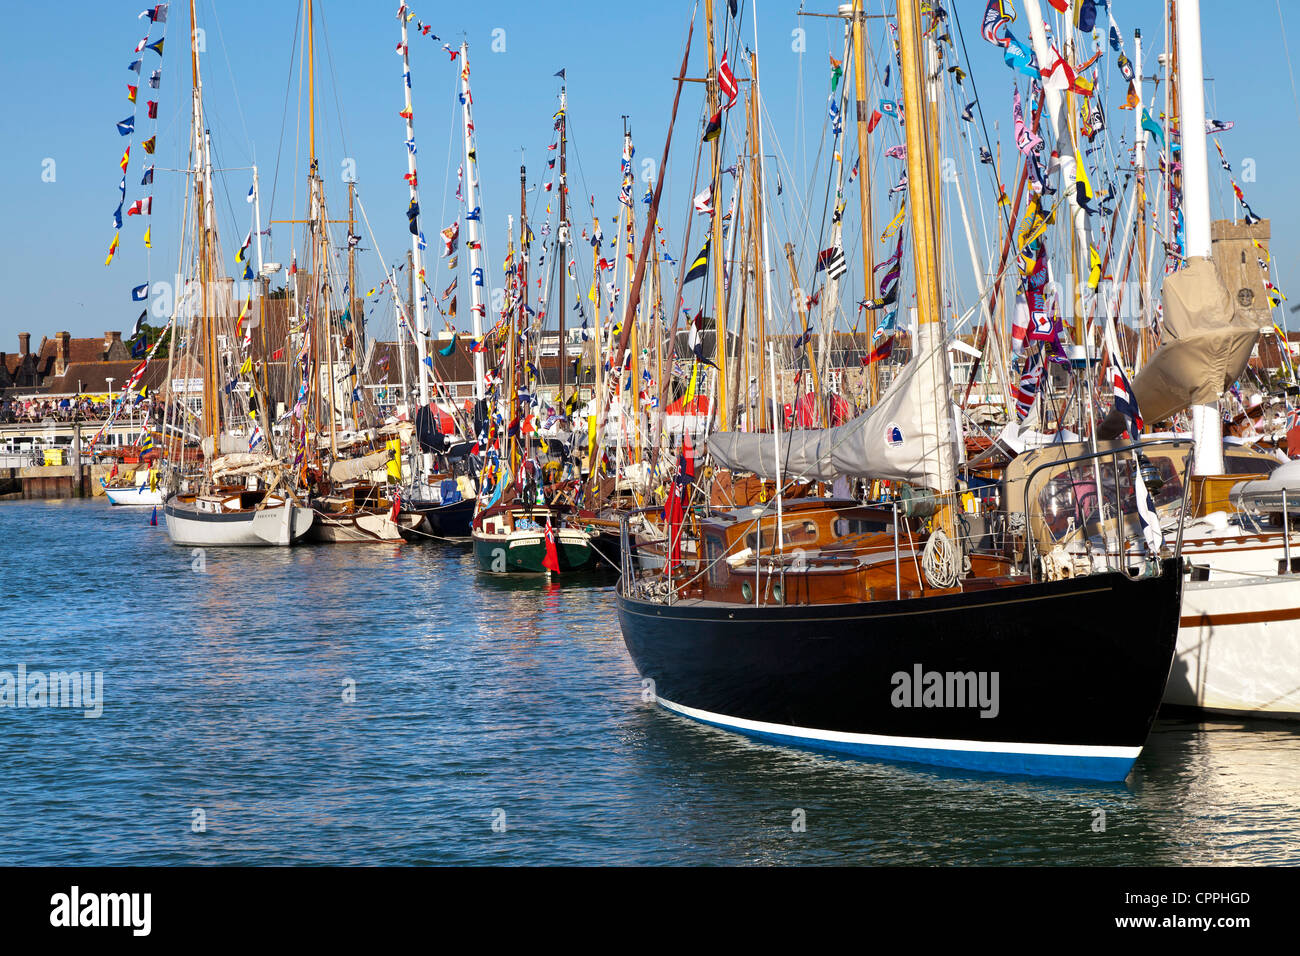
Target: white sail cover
[[906, 436]]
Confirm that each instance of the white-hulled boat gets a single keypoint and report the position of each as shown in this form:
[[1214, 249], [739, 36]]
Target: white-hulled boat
[[1238, 649], [236, 519], [137, 495], [361, 515]]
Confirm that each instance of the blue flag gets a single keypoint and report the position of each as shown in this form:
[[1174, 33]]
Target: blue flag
[[1152, 127], [127, 126], [140, 293]]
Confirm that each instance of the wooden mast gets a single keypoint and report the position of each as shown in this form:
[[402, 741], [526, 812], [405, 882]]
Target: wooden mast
[[715, 190], [211, 407], [920, 175], [563, 237], [629, 265], [921, 167], [521, 283], [864, 177]]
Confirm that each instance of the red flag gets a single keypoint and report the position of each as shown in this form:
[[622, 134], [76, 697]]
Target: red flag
[[153, 109], [277, 355], [727, 82], [875, 118], [113, 473], [881, 351], [552, 560], [136, 374], [673, 515], [397, 507]]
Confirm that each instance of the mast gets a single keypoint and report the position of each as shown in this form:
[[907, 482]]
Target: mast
[[477, 309], [563, 237], [715, 218], [419, 329], [1207, 423], [1140, 172], [352, 264], [211, 410], [628, 228], [762, 267], [919, 167], [864, 174], [521, 283]]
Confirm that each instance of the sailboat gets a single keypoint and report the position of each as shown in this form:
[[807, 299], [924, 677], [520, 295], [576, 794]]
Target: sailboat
[[881, 633], [242, 497], [516, 529]]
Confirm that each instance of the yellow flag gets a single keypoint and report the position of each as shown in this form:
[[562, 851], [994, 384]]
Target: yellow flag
[[247, 366], [1094, 272], [147, 233], [1081, 174], [690, 389], [112, 248], [1033, 226], [896, 222], [395, 463]]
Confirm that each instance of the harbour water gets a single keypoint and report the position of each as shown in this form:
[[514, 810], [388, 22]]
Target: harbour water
[[493, 722]]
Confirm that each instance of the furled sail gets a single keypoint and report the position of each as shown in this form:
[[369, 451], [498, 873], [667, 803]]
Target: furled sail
[[350, 469], [906, 436], [1205, 344]]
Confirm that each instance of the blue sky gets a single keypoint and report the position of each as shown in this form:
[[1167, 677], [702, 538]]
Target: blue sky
[[71, 79]]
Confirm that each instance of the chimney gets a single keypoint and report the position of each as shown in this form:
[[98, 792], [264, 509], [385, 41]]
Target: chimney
[[110, 339], [24, 343], [61, 352]]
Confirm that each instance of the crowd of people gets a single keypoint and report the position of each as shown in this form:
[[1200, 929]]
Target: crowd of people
[[36, 410]]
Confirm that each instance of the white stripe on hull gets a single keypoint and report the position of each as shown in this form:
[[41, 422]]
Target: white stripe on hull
[[916, 743]]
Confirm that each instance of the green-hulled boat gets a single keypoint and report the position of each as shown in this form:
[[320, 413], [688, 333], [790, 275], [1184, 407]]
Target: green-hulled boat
[[512, 539]]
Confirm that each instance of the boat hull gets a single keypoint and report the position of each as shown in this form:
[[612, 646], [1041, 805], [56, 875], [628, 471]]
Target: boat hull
[[1081, 665], [269, 527], [361, 528], [140, 497], [445, 521], [1238, 648], [525, 552]]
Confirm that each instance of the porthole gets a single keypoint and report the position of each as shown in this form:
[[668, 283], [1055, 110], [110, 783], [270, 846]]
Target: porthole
[[746, 592]]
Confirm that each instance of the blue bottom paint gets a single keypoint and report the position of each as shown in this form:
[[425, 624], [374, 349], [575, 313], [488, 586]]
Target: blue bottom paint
[[1107, 769]]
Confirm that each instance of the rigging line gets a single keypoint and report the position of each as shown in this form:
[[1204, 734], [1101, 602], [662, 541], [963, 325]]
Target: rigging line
[[338, 102], [988, 143], [446, 181], [1287, 50], [230, 70], [279, 149]]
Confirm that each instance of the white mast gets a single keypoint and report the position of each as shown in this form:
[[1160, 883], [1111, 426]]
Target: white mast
[[419, 330], [257, 218], [1207, 425], [477, 308]]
